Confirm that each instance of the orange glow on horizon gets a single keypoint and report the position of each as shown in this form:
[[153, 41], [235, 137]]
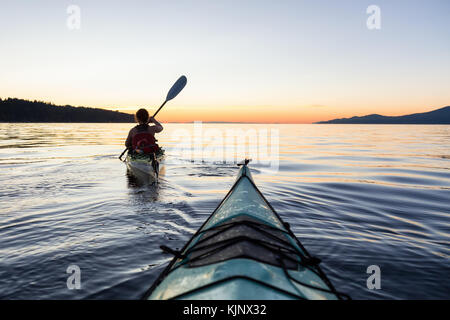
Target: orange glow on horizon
[[289, 112], [266, 114], [242, 114]]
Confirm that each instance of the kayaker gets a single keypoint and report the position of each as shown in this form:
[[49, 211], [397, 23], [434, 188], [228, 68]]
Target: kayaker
[[141, 138]]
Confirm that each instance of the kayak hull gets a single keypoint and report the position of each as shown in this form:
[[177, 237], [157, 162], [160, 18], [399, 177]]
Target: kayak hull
[[243, 251], [143, 169]]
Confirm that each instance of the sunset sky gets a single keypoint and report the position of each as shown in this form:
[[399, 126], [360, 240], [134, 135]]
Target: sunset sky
[[245, 60]]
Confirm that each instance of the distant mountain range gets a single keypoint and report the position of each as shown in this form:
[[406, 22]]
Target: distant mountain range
[[18, 110], [438, 116]]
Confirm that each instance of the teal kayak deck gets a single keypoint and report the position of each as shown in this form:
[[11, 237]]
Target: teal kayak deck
[[243, 251]]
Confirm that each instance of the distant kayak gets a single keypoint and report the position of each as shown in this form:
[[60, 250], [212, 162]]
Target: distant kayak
[[145, 167], [244, 251]]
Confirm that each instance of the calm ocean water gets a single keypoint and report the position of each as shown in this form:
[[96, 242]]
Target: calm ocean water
[[355, 195]]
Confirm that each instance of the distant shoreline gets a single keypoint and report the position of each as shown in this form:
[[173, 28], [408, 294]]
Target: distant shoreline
[[437, 117], [25, 111], [13, 110], [274, 123]]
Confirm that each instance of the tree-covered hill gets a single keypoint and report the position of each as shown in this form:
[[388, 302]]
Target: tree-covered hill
[[18, 110], [439, 116]]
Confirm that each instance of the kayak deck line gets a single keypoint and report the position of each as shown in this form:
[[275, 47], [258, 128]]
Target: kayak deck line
[[237, 277], [270, 243], [242, 247], [306, 262]]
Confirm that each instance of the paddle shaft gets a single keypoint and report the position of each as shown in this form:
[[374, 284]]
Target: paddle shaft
[[154, 115]]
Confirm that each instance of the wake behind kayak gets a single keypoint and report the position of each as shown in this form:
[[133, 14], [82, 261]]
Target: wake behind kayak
[[243, 251]]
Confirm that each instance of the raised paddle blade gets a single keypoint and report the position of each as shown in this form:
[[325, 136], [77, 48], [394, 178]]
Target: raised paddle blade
[[176, 88]]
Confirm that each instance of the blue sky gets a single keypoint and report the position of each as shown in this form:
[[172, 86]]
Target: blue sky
[[308, 60]]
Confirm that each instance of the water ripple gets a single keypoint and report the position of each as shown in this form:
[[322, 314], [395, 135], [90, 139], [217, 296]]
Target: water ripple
[[354, 195]]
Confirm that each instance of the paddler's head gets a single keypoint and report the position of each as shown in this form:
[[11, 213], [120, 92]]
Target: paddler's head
[[141, 116]]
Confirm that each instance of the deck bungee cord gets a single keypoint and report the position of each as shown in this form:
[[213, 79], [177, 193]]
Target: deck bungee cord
[[243, 250]]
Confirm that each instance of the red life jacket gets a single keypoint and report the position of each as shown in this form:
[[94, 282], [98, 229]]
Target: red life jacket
[[145, 142]]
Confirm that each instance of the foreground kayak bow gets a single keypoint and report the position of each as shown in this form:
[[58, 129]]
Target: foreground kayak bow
[[244, 251]]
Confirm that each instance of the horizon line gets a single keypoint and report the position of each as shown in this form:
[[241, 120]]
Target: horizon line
[[193, 121]]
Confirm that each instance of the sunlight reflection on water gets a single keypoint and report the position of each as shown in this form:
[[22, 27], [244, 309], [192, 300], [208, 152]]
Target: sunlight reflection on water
[[355, 195]]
